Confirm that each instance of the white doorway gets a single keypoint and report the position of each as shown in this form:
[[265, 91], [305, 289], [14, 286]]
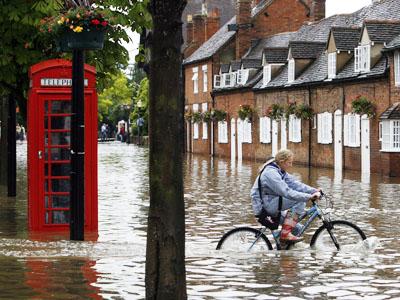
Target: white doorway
[[283, 134], [233, 139], [239, 138], [365, 145], [338, 141], [274, 143]]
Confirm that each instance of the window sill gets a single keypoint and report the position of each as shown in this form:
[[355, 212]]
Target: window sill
[[390, 150]]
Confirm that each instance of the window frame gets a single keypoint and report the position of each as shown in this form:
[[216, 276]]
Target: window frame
[[204, 108], [265, 130], [362, 58], [294, 129], [195, 79], [324, 128], [390, 136], [205, 78]]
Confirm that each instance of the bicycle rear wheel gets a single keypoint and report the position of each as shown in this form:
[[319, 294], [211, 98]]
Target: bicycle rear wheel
[[347, 235], [244, 239]]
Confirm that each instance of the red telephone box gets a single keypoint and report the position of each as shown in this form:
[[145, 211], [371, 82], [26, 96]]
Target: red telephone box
[[49, 137]]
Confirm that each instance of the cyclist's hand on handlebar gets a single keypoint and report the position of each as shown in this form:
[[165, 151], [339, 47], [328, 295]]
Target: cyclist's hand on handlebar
[[315, 196]]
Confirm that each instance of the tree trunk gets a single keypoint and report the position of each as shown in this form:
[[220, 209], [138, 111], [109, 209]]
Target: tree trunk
[[3, 141], [165, 255]]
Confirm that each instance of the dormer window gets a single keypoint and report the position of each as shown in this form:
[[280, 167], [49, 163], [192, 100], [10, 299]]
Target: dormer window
[[362, 58], [229, 79], [291, 68], [242, 76], [332, 65], [195, 80], [266, 74]]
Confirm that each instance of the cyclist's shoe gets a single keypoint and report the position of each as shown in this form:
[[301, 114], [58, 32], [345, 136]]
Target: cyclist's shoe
[[288, 224], [290, 239]]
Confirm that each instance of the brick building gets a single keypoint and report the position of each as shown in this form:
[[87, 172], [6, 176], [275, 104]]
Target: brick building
[[330, 65]]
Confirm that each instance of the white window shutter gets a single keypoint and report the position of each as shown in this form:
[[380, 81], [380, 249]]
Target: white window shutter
[[290, 129], [345, 130], [195, 131], [357, 130], [248, 127], [297, 130], [319, 128], [262, 130]]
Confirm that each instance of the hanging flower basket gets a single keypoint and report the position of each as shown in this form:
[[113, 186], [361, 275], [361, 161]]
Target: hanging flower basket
[[80, 28], [304, 112], [363, 106], [207, 117], [197, 117], [188, 116], [290, 110], [245, 112], [275, 111], [218, 115]]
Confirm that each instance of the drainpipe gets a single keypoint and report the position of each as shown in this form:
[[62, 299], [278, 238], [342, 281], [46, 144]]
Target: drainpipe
[[212, 124], [343, 106]]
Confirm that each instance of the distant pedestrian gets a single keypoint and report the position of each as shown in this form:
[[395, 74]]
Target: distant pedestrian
[[18, 132], [103, 132], [22, 134], [139, 123]]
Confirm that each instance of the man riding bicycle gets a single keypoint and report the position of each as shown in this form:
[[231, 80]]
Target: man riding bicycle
[[276, 190]]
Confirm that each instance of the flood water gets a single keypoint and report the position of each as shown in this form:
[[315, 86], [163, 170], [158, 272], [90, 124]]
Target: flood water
[[216, 199]]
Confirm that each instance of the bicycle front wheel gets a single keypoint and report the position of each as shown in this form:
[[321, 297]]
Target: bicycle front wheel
[[342, 233], [244, 239]]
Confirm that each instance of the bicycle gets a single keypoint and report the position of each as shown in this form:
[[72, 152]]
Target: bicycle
[[331, 233]]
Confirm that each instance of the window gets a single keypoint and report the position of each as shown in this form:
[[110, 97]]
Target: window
[[397, 68], [204, 108], [242, 76], [324, 128], [391, 136], [332, 65], [291, 70], [265, 130], [217, 81], [362, 58], [229, 79], [222, 132], [195, 125], [266, 74], [294, 129], [205, 79], [351, 127], [195, 80]]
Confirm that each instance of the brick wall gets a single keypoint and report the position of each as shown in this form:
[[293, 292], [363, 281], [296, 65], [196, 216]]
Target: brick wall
[[230, 103], [280, 16], [199, 145]]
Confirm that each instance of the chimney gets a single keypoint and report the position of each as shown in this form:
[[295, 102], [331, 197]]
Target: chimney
[[243, 21], [199, 29], [212, 23], [189, 30], [317, 10]]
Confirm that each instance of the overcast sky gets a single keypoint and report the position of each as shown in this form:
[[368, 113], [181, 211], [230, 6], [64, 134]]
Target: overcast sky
[[332, 7]]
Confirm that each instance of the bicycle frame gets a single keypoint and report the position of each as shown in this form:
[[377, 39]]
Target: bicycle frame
[[314, 212]]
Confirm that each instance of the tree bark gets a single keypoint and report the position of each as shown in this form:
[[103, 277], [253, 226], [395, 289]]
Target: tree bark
[[165, 255], [3, 141]]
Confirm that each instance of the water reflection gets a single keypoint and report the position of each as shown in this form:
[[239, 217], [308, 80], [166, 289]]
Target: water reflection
[[216, 199]]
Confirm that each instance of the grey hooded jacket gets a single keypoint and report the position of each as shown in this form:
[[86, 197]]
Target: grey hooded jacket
[[274, 183]]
